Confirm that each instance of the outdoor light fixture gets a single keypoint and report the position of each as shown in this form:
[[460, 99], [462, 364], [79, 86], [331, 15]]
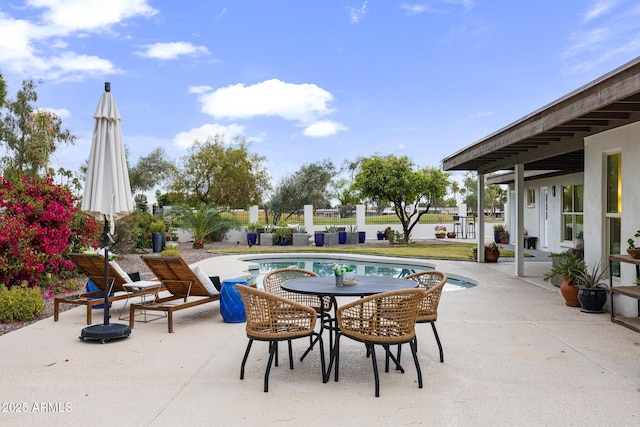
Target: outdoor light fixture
[[553, 190]]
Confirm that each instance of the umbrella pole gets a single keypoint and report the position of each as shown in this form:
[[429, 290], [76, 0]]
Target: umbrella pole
[[105, 241], [106, 331]]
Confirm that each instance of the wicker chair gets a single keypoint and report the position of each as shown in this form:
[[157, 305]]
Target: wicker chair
[[432, 282], [385, 319], [322, 306], [273, 318]]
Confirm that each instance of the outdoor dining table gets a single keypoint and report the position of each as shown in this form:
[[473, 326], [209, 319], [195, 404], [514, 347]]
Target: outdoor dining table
[[325, 286]]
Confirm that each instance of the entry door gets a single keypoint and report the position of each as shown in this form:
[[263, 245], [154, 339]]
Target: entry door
[[543, 216]]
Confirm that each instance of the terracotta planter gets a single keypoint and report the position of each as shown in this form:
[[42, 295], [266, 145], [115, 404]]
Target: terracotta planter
[[491, 255], [634, 252], [451, 235], [569, 292]]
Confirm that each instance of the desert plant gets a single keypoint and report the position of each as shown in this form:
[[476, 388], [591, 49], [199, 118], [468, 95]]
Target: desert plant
[[498, 227], [202, 221], [331, 228], [252, 227], [590, 278]]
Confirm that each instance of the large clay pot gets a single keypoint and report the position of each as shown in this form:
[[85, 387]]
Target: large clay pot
[[569, 292]]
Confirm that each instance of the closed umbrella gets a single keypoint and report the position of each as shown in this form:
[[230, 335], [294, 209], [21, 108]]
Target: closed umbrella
[[107, 195]]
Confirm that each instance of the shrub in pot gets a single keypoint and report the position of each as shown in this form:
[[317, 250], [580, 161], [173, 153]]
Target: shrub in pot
[[592, 293], [570, 268]]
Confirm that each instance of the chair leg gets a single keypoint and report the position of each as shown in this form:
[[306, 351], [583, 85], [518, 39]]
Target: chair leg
[[335, 358], [372, 351], [414, 350], [273, 348], [276, 352], [290, 354], [244, 359], [398, 355], [435, 332], [322, 361]]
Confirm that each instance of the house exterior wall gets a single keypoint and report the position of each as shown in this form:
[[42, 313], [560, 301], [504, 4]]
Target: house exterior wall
[[624, 140], [533, 215]]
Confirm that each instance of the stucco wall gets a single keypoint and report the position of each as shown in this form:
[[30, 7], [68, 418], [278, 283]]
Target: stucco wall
[[624, 140]]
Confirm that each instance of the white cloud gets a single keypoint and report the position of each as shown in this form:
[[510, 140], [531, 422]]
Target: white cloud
[[35, 48], [186, 139], [356, 14], [304, 103], [415, 9], [324, 128], [173, 50], [200, 89], [63, 113], [600, 8]]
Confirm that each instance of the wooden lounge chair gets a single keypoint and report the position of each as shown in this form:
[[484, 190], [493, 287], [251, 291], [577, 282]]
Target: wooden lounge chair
[[186, 289], [92, 266]]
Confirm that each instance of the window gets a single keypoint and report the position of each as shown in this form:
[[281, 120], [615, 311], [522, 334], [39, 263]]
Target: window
[[614, 208], [531, 197], [572, 216]]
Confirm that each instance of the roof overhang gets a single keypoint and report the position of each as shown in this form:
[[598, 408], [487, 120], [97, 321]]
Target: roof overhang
[[552, 138]]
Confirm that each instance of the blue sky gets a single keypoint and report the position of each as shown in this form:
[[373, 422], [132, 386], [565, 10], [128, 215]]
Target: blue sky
[[309, 80]]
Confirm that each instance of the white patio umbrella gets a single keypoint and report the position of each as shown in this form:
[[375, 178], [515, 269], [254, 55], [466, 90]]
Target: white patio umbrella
[[107, 195]]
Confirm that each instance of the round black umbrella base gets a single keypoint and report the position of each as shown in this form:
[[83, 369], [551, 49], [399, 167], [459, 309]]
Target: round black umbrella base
[[105, 333]]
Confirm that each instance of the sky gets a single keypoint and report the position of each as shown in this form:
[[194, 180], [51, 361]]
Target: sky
[[305, 81]]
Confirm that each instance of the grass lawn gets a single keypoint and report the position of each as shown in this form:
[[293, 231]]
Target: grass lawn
[[459, 251]]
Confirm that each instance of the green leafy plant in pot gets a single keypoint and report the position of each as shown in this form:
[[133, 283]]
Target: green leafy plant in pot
[[632, 250], [570, 267], [592, 293]]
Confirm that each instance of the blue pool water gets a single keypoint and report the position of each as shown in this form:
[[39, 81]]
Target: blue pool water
[[322, 267]]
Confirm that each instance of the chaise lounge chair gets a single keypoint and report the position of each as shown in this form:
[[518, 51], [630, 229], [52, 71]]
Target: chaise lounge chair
[[188, 288], [92, 266]]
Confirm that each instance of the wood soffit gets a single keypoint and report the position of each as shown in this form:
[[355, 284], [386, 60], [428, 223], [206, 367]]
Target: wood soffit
[[551, 139]]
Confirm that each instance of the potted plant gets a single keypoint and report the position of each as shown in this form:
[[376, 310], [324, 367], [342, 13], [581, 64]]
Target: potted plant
[[570, 266], [157, 229], [491, 252], [267, 238], [504, 236], [300, 236], [497, 232], [380, 234], [171, 238], [283, 236], [352, 234], [451, 235], [331, 235], [252, 233], [441, 231], [632, 250], [592, 294]]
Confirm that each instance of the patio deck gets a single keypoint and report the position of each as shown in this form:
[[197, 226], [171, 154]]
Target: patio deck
[[514, 355]]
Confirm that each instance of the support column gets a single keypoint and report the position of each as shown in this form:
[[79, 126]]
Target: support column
[[480, 229], [518, 227]]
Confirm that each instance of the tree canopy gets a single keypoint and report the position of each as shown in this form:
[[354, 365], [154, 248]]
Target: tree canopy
[[222, 174], [395, 180], [307, 186], [151, 171], [31, 136]]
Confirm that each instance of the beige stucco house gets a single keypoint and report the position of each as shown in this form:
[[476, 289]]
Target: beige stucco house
[[571, 171]]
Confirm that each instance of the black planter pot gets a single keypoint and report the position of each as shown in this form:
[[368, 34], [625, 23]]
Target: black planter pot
[[252, 238], [157, 242], [362, 236], [592, 299]]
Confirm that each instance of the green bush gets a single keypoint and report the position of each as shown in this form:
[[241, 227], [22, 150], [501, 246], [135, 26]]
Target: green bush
[[20, 303]]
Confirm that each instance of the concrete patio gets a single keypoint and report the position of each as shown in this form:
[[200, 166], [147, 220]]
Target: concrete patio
[[514, 355]]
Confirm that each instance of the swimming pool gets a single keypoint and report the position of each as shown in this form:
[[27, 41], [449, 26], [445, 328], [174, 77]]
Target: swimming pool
[[363, 267]]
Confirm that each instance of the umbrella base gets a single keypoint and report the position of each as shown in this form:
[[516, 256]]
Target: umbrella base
[[105, 333]]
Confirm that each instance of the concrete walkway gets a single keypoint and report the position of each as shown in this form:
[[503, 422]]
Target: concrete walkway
[[515, 355]]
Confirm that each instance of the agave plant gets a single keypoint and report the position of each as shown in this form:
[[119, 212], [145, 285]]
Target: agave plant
[[590, 278], [202, 221]]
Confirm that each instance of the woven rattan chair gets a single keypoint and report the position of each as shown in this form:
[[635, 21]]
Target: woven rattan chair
[[273, 318], [432, 282], [272, 283], [385, 319]]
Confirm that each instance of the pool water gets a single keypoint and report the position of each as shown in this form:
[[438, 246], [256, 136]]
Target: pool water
[[323, 267]]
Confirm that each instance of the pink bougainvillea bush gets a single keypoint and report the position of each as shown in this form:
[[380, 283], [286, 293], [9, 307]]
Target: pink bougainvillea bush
[[38, 222]]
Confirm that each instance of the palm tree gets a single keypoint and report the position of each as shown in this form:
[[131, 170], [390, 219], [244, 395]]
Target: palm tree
[[201, 221]]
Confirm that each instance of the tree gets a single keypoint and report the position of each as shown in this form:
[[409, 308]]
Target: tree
[[31, 136], [346, 195], [307, 186], [221, 174], [392, 179], [150, 171], [494, 195]]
